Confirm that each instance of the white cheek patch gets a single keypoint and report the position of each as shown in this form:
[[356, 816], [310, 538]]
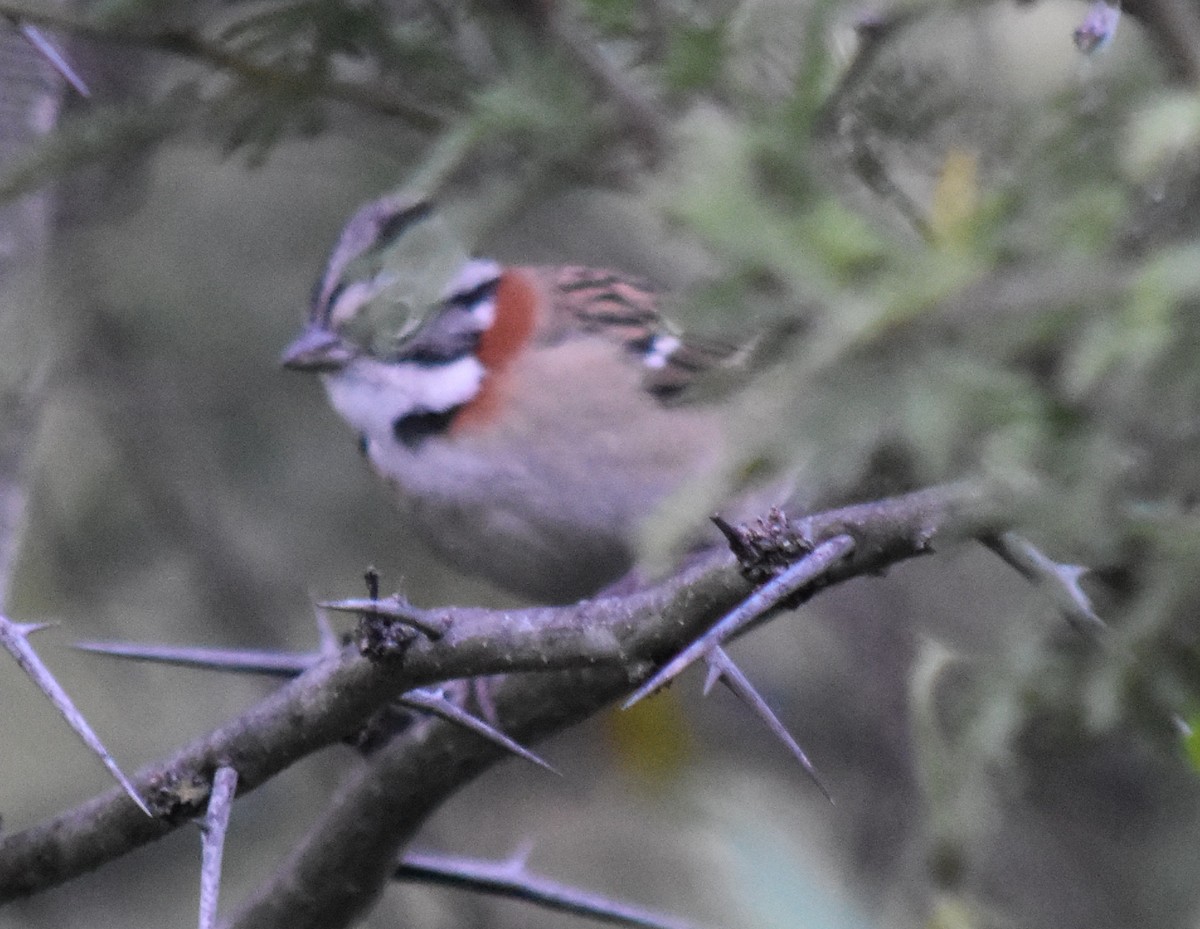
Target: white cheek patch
[[473, 275], [371, 395], [484, 312], [661, 350]]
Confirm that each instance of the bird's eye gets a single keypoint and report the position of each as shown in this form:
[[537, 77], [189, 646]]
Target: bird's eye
[[476, 281], [469, 299]]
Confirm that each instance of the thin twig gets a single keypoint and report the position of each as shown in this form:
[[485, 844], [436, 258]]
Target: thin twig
[[560, 26], [837, 116], [1175, 26], [875, 32], [1059, 581], [645, 117]]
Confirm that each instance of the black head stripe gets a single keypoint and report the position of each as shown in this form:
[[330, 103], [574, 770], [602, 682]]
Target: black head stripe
[[377, 223], [468, 299], [394, 223]]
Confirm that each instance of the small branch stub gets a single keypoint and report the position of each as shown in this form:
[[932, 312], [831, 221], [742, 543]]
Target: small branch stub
[[178, 796], [386, 628], [766, 546]]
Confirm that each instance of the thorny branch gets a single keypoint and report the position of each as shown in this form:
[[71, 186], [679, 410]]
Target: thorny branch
[[612, 643], [190, 45], [346, 860]]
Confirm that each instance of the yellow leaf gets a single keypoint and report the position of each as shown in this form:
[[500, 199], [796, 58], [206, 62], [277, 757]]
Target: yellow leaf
[[955, 198], [652, 739]]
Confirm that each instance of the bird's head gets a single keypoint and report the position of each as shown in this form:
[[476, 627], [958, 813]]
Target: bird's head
[[388, 268]]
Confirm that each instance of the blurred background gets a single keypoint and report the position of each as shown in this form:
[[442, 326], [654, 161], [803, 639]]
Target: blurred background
[[990, 235]]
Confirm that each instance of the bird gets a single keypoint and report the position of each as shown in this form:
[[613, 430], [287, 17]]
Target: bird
[[531, 419]]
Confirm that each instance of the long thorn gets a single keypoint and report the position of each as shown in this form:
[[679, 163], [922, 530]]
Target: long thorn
[[435, 703], [501, 880], [396, 608], [759, 603], [14, 638], [56, 59], [212, 838], [731, 675], [241, 661]]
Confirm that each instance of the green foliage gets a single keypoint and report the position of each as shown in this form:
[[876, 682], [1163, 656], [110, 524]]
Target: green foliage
[[615, 17], [1161, 130], [311, 32], [694, 58], [107, 134]]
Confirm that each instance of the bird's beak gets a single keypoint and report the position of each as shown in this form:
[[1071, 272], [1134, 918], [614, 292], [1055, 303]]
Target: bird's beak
[[317, 349]]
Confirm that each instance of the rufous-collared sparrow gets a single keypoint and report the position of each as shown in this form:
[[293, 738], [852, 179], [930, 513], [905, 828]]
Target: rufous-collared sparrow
[[531, 421]]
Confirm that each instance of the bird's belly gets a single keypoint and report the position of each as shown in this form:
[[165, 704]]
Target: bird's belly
[[552, 521]]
